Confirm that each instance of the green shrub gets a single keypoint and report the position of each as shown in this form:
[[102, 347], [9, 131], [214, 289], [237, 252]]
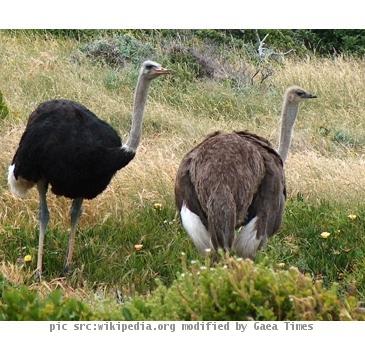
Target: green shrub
[[191, 61], [236, 290], [242, 290], [321, 41], [119, 50], [21, 304], [340, 40]]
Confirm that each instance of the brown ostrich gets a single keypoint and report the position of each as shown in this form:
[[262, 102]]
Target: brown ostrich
[[236, 181]]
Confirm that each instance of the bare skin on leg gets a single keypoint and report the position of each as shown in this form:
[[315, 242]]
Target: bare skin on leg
[[75, 212], [43, 221]]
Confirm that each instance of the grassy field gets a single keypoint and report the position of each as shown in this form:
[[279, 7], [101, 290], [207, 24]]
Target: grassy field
[[325, 169]]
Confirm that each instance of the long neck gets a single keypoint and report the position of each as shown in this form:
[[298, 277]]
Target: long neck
[[140, 98], [289, 114]]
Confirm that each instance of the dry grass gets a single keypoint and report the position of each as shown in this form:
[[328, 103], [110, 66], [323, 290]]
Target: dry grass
[[317, 168], [319, 177], [19, 275]]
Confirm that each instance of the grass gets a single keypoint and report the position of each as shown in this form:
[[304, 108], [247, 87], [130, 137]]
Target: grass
[[324, 176], [105, 253], [338, 258]]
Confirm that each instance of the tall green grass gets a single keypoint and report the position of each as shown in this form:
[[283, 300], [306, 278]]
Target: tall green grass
[[106, 254]]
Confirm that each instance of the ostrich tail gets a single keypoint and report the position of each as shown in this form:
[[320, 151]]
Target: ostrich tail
[[19, 187], [221, 217]]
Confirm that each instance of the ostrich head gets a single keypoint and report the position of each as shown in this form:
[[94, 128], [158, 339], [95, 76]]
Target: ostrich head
[[151, 70], [296, 94]]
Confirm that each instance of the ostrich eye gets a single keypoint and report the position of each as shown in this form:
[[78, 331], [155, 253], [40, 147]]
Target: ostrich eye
[[149, 66], [300, 93]]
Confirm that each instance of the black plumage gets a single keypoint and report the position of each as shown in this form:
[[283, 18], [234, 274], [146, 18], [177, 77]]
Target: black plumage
[[68, 146]]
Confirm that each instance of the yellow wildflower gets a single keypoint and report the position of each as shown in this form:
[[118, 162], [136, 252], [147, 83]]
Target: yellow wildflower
[[27, 258], [325, 234], [138, 247], [157, 206], [352, 216]]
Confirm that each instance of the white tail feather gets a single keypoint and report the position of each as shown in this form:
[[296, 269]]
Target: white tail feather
[[196, 230], [246, 243], [19, 187]]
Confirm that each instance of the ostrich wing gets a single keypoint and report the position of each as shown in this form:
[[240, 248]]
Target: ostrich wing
[[269, 201]]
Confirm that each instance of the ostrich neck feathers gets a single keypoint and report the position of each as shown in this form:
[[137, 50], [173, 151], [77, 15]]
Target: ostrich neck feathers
[[289, 114], [140, 98]]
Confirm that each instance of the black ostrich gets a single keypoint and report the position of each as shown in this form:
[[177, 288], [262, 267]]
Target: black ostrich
[[68, 147]]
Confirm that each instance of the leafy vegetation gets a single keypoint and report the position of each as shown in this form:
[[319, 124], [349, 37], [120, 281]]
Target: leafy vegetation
[[241, 290], [20, 304], [206, 291], [232, 290], [319, 41], [118, 51]]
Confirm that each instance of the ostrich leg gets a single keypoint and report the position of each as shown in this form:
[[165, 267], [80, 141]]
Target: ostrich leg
[[75, 212], [43, 221]]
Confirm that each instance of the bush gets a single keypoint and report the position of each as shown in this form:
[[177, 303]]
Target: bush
[[241, 290], [340, 40], [199, 65], [21, 304], [118, 51], [238, 290], [321, 41]]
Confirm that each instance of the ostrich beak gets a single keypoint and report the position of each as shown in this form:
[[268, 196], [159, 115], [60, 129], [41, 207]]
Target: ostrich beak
[[310, 96], [162, 70]]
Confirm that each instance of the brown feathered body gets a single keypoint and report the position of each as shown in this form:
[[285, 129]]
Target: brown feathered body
[[231, 182]]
